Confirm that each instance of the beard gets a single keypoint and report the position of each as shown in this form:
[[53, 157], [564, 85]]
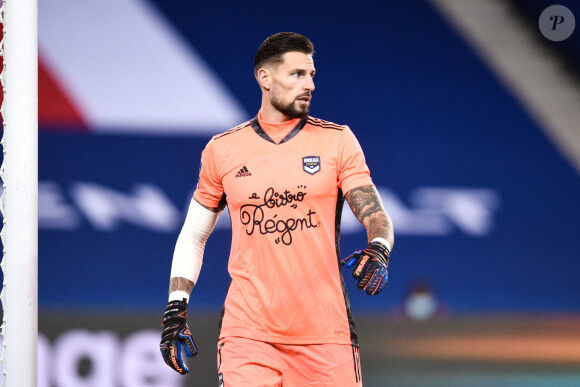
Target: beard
[[292, 109]]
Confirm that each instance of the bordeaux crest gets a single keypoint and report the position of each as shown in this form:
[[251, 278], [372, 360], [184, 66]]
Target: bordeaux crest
[[311, 164]]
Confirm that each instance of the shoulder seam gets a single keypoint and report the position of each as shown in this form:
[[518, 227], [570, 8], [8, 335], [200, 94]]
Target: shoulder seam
[[324, 124], [232, 130]]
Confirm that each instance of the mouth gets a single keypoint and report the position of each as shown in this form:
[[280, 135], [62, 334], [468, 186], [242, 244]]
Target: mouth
[[304, 99]]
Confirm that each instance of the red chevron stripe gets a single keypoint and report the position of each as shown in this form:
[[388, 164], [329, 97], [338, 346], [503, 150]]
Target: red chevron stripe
[[55, 106]]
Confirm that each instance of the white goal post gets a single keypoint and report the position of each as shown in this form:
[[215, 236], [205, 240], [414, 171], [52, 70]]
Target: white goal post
[[19, 202]]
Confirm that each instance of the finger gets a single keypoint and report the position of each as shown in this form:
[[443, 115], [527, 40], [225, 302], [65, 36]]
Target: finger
[[369, 281], [351, 259], [190, 348], [364, 281], [177, 360], [383, 283], [171, 356], [374, 286], [166, 354], [187, 338], [360, 268]]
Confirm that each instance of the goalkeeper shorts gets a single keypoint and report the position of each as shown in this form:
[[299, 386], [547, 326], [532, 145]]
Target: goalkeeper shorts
[[249, 363]]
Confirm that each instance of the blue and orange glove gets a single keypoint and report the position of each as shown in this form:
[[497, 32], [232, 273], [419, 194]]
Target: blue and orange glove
[[370, 267], [176, 336]]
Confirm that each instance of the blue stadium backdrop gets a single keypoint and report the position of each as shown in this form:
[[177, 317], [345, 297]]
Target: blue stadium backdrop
[[485, 207]]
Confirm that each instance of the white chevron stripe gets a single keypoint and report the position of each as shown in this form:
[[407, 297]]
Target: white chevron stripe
[[537, 77], [130, 71]]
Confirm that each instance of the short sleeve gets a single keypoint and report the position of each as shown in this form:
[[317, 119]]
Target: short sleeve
[[353, 171], [209, 190]]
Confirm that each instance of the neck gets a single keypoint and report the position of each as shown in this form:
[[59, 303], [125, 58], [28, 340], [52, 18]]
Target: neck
[[270, 114]]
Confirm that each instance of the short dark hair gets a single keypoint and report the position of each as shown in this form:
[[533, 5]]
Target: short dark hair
[[272, 49]]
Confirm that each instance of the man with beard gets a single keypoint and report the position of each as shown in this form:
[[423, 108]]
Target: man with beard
[[284, 177]]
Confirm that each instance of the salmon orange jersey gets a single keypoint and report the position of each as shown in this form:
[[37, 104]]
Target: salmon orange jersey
[[285, 201]]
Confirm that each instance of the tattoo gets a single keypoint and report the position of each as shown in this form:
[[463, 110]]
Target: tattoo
[[366, 205], [180, 283]]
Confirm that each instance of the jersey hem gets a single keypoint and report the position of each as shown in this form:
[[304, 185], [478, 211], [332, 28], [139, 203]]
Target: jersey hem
[[360, 182], [287, 340], [205, 202]]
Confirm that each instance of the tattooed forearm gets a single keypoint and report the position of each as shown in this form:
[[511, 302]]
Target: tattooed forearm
[[180, 283], [366, 205]]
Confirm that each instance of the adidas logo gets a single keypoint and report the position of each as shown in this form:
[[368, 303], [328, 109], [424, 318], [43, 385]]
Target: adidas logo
[[243, 172]]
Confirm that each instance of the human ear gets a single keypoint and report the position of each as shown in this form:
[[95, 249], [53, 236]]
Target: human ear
[[264, 78]]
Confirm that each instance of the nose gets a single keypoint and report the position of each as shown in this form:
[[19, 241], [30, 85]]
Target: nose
[[309, 85]]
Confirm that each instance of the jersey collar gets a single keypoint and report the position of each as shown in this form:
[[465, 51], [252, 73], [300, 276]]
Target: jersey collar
[[260, 132]]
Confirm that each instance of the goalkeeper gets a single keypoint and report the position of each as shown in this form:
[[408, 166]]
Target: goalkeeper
[[284, 177]]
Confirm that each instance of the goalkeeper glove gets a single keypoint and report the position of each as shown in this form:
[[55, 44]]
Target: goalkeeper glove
[[370, 267], [176, 336]]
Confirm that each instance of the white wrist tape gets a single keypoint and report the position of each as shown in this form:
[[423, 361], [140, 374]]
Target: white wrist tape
[[178, 295], [383, 241], [188, 253]]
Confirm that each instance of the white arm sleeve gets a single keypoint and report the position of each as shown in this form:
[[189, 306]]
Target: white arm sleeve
[[188, 254]]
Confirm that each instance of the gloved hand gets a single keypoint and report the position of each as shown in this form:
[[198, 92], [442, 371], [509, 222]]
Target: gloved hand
[[370, 267], [176, 336]]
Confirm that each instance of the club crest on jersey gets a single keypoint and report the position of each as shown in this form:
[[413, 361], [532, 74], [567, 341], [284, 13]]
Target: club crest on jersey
[[311, 164]]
